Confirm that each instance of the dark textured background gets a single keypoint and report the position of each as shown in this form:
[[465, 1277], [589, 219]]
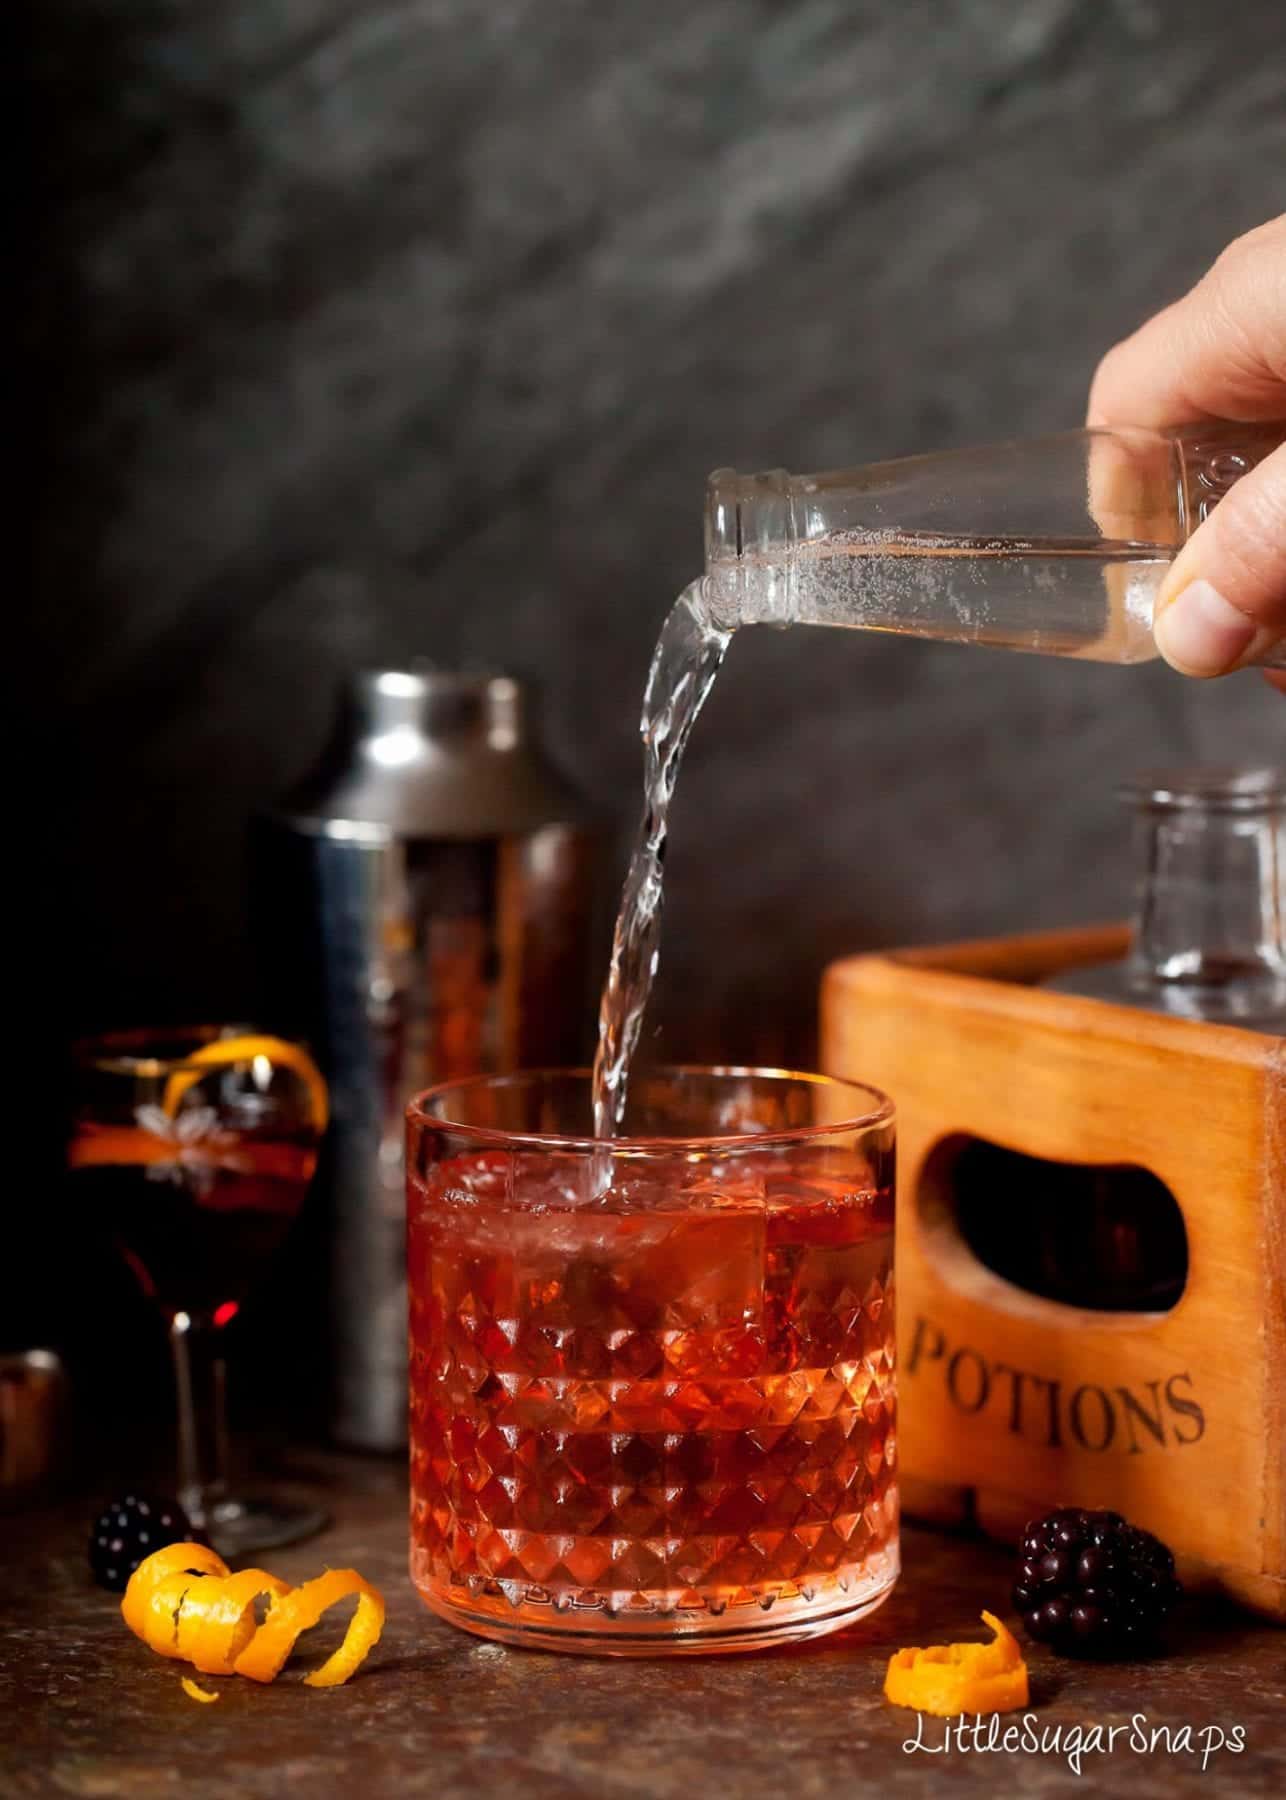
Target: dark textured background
[[363, 328]]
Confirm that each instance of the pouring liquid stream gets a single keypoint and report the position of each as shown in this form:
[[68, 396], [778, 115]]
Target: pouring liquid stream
[[686, 660]]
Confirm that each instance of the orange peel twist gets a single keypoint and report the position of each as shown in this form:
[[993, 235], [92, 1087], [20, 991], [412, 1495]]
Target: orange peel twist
[[947, 1679], [268, 1649], [278, 1053], [212, 1634], [158, 1589], [184, 1603]]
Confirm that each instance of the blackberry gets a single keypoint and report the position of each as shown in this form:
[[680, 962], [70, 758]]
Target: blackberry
[[1091, 1584], [128, 1530]]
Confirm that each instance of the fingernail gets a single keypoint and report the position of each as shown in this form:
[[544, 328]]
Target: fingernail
[[1201, 633]]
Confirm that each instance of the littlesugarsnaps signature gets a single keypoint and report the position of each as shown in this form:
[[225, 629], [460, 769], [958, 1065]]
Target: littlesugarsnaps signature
[[1074, 1743]]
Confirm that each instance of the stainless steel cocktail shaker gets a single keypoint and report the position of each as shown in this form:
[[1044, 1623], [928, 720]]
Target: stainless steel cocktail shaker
[[424, 903]]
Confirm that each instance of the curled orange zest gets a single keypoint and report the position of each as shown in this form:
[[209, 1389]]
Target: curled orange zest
[[268, 1649], [214, 1631], [174, 1559], [183, 1603], [194, 1692], [157, 1590], [162, 1610], [947, 1679], [224, 1052]]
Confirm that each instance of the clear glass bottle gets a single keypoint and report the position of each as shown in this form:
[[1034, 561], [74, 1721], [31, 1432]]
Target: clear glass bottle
[[1056, 544], [1208, 945], [1210, 922]]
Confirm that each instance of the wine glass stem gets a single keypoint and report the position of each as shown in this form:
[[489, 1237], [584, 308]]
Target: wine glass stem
[[199, 1380]]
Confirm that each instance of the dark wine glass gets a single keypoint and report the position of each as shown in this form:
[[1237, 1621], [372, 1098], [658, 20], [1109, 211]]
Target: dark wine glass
[[195, 1149]]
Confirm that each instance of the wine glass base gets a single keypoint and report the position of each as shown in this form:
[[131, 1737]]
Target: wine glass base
[[236, 1527]]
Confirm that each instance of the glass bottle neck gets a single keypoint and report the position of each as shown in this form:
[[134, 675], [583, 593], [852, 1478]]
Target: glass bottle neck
[[1209, 930]]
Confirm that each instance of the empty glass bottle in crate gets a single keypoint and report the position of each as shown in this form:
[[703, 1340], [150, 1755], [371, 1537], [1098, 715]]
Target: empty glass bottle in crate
[[1209, 937]]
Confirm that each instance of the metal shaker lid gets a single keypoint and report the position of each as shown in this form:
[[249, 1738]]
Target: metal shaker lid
[[437, 703], [437, 753]]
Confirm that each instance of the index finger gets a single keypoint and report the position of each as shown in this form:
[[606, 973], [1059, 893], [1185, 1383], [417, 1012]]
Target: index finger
[[1218, 353]]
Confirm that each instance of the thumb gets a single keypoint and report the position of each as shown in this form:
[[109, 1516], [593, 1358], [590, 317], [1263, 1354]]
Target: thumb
[[1222, 605]]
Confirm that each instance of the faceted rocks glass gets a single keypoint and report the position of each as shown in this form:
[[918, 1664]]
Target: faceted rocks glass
[[652, 1377]]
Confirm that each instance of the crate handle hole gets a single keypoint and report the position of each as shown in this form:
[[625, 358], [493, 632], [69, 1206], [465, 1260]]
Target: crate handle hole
[[1100, 1237]]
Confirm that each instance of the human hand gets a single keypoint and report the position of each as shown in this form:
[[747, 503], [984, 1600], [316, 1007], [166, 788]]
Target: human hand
[[1218, 353]]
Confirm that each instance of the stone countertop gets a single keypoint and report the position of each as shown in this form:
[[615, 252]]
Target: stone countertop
[[88, 1711]]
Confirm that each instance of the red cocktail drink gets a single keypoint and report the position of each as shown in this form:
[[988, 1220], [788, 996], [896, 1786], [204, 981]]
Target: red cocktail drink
[[194, 1149], [652, 1393]]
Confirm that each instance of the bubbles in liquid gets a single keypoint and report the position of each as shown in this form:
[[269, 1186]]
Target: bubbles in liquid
[[1090, 599]]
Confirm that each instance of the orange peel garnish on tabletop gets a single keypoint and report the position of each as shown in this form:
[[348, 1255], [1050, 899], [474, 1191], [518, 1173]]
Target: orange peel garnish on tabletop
[[268, 1649], [213, 1633], [158, 1589], [947, 1679], [185, 1603], [225, 1051], [194, 1692]]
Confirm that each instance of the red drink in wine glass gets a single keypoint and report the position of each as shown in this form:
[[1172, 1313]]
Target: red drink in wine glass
[[194, 1149]]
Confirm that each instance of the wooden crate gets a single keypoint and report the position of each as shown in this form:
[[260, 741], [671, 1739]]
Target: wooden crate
[[1176, 1418]]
